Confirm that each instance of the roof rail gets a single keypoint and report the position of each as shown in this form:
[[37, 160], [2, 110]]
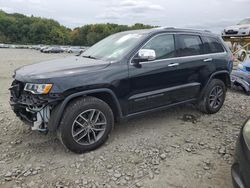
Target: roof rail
[[164, 27]]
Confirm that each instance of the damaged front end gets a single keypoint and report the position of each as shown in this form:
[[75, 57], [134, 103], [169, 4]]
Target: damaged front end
[[33, 109]]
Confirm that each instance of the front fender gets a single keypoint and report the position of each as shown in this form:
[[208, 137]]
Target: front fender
[[57, 112]]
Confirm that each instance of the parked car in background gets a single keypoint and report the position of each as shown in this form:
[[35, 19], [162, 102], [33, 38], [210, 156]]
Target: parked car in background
[[75, 49], [54, 49], [241, 76], [241, 29], [124, 75], [4, 46], [43, 48], [241, 167]]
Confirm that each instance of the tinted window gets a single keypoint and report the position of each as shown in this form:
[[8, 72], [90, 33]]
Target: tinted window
[[212, 45], [163, 45], [189, 45]]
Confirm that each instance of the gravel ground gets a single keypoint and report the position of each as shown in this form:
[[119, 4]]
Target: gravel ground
[[179, 147]]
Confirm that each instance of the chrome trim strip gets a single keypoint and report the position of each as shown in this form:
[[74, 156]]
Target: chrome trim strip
[[162, 91]]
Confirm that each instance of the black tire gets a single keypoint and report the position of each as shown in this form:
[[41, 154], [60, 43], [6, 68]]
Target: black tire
[[205, 105], [243, 56], [72, 112]]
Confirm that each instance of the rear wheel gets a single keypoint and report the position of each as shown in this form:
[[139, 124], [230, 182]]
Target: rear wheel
[[213, 97], [86, 124]]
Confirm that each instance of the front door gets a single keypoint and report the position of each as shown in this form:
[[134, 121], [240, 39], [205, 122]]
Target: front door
[[169, 79]]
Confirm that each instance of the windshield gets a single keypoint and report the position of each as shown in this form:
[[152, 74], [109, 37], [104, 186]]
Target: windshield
[[245, 21], [113, 47]]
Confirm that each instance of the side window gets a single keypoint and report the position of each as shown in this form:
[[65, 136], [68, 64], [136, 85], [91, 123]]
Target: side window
[[163, 45], [189, 45], [212, 45]]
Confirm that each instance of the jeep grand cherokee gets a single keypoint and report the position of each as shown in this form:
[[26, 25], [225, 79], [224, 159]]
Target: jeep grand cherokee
[[124, 75]]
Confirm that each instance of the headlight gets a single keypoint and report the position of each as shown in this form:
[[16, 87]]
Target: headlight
[[246, 133], [38, 88]]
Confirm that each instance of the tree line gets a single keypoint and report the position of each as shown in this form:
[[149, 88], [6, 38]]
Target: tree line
[[20, 29]]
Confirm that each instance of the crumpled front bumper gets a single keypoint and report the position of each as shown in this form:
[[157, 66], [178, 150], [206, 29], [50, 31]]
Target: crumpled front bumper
[[33, 110], [241, 78]]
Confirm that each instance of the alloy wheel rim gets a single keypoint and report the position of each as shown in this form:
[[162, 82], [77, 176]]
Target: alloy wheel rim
[[216, 97], [89, 126]]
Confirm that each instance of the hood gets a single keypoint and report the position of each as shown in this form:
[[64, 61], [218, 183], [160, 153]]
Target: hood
[[59, 68], [237, 27]]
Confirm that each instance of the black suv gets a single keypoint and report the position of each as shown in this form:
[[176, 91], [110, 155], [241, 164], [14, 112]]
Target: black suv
[[124, 75]]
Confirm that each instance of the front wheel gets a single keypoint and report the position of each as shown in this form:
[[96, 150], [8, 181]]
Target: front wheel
[[214, 97], [86, 124]]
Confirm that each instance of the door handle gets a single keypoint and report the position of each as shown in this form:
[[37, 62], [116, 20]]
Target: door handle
[[208, 59], [173, 64]]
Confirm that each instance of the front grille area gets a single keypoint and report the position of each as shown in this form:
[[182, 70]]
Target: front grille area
[[231, 32], [16, 89], [24, 98]]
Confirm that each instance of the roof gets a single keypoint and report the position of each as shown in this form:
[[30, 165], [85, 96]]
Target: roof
[[169, 29], [186, 30]]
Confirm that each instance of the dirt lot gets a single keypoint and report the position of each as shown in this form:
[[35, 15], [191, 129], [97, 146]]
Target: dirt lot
[[179, 147]]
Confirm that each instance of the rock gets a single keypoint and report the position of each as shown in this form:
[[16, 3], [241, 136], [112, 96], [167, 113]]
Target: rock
[[138, 184], [27, 173], [84, 182], [31, 184], [77, 182], [163, 156], [34, 172], [207, 162], [151, 174], [123, 181], [78, 165], [155, 161], [175, 146], [188, 149], [189, 118], [201, 143], [7, 179], [109, 166], [8, 174], [206, 168], [117, 175], [222, 150]]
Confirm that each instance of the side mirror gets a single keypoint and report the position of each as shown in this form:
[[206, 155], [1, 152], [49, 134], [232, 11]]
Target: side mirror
[[144, 55]]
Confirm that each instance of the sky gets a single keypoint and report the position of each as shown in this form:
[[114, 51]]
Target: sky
[[212, 15]]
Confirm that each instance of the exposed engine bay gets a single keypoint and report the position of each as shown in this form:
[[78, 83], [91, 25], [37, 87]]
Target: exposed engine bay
[[33, 109]]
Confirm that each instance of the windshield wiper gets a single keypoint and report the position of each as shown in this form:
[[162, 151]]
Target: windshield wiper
[[89, 56]]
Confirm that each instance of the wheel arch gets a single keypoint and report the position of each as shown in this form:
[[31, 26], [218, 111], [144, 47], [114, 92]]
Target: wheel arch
[[107, 95], [221, 75]]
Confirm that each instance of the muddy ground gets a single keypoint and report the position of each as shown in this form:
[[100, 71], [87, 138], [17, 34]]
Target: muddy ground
[[179, 147]]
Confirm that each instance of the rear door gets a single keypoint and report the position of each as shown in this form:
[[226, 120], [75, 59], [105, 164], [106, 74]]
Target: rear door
[[193, 62], [215, 50]]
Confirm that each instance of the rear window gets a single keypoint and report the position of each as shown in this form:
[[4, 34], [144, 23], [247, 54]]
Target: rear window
[[212, 45], [189, 45]]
